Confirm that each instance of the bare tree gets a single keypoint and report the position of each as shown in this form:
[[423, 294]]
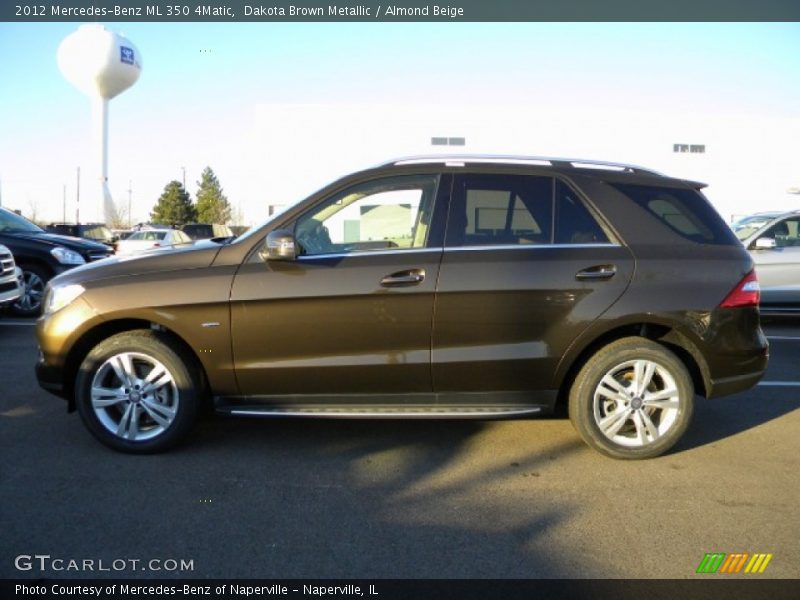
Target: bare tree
[[33, 210], [120, 218]]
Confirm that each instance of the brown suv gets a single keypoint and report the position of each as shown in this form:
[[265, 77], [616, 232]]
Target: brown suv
[[443, 287]]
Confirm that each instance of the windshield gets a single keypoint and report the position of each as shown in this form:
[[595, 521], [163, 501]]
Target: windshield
[[149, 236], [13, 223], [744, 228], [98, 233]]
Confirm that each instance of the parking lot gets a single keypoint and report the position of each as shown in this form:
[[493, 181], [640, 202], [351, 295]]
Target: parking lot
[[384, 499]]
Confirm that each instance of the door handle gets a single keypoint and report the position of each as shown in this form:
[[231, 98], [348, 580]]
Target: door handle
[[404, 278], [596, 272]]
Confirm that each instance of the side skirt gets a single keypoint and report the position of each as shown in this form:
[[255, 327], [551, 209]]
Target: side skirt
[[453, 405]]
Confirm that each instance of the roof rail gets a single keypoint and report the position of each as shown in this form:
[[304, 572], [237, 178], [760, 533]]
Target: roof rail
[[461, 159]]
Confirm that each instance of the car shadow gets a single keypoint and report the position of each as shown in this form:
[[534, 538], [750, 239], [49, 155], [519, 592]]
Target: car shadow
[[721, 418]]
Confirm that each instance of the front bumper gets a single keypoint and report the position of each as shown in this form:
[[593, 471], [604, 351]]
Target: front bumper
[[58, 334], [50, 378]]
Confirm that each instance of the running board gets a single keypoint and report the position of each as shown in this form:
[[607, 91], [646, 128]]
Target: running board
[[387, 412]]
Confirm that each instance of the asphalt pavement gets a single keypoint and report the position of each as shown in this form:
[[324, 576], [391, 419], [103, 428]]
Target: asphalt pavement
[[396, 499]]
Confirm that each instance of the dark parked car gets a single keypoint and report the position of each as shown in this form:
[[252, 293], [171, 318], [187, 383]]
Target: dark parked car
[[773, 240], [205, 231], [41, 256], [480, 287], [97, 232]]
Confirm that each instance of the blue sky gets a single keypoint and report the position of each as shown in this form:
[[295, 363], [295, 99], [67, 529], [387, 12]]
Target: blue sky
[[193, 104]]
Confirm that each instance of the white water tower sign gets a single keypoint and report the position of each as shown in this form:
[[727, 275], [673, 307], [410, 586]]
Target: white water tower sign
[[101, 64]]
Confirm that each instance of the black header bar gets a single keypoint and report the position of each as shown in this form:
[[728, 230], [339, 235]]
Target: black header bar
[[170, 11], [711, 587]]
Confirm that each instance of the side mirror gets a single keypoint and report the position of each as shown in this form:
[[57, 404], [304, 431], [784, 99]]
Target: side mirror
[[765, 243], [280, 245]]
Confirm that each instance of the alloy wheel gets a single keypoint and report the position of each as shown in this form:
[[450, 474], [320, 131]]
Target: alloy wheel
[[636, 403], [134, 396], [32, 293]]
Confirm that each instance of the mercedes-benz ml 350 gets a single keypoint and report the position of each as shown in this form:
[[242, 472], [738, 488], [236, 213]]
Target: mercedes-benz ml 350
[[430, 287]]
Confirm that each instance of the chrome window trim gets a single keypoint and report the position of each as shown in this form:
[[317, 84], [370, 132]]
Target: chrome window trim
[[527, 247], [306, 257]]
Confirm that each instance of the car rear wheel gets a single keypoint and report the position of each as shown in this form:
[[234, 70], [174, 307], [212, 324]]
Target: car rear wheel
[[135, 392], [633, 399], [34, 280]]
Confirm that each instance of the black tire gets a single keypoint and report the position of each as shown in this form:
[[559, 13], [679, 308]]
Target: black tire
[[618, 419], [35, 278], [148, 418]]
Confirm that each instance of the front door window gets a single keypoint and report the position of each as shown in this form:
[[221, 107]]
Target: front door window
[[388, 214]]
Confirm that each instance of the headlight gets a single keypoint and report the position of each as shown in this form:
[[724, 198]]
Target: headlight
[[58, 297], [67, 257]]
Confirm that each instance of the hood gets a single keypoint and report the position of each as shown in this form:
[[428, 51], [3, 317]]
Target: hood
[[55, 239], [177, 258]]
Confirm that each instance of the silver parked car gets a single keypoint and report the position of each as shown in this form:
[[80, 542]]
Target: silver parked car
[[773, 240], [149, 239], [10, 278]]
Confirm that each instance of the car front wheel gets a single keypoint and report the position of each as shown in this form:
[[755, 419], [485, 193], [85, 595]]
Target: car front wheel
[[633, 399], [136, 392]]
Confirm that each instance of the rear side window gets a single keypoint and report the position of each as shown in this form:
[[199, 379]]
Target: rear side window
[[684, 211]]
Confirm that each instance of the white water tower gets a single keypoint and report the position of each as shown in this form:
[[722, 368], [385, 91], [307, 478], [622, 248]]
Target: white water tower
[[101, 64]]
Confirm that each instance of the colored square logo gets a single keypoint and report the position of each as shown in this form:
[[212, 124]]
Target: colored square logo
[[126, 55]]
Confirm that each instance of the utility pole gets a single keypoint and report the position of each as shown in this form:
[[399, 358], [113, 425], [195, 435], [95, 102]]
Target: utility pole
[[130, 191], [64, 205], [184, 177], [78, 198]]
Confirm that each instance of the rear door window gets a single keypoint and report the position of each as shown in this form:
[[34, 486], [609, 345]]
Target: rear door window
[[518, 210], [574, 224]]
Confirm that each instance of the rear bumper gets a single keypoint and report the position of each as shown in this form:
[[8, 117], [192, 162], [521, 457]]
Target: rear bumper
[[734, 385], [736, 349]]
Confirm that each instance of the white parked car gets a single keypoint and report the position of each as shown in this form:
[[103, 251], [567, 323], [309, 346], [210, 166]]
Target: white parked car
[[149, 239], [10, 277]]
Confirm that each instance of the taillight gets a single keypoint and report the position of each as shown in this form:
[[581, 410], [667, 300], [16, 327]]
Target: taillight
[[746, 293]]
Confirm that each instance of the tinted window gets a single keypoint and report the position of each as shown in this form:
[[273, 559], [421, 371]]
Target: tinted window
[[684, 211], [574, 224], [492, 210], [489, 210], [387, 214]]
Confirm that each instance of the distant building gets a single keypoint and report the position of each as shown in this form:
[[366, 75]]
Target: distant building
[[749, 162]]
